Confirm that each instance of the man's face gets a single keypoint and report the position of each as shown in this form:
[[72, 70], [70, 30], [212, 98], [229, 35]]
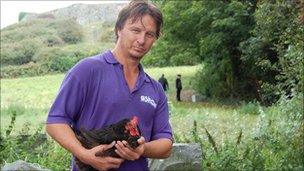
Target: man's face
[[136, 38]]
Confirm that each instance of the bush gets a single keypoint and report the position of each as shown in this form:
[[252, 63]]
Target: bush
[[62, 64], [275, 143], [107, 34], [251, 108], [56, 59], [26, 30], [26, 70], [215, 81], [33, 148], [185, 58], [52, 40], [20, 52], [70, 31]]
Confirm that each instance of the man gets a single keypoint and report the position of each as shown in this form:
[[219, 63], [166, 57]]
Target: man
[[103, 89], [163, 81], [179, 87]]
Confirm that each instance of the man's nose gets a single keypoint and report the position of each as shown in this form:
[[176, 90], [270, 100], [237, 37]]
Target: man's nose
[[141, 39]]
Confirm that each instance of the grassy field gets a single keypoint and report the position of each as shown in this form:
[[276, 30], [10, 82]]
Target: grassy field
[[240, 137]]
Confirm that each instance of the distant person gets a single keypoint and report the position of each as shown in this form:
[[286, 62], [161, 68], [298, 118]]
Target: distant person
[[179, 87], [164, 82]]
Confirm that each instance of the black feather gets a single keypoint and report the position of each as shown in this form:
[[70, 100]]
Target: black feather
[[114, 132]]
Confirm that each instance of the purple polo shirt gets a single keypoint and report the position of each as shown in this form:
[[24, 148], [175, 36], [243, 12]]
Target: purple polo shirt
[[95, 94]]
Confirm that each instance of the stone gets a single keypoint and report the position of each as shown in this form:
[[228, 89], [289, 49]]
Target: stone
[[22, 165], [184, 157]]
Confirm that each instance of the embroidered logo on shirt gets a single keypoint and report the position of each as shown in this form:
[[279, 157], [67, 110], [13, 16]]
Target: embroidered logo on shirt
[[147, 99]]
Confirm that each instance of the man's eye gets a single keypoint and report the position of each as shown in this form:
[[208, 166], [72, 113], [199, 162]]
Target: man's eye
[[135, 31], [151, 35]]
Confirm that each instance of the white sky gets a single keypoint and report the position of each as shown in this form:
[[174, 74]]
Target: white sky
[[10, 9]]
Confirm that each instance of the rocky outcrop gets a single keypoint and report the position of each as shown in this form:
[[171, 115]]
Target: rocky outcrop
[[184, 157], [82, 13], [22, 165]]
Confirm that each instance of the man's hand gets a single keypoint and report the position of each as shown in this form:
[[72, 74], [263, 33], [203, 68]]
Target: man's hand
[[100, 163], [127, 152]]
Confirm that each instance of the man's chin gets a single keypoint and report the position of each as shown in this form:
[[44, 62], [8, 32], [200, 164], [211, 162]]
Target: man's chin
[[137, 55]]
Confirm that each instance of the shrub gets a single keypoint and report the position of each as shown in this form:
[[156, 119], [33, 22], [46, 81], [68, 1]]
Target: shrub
[[56, 59], [52, 40], [70, 31], [33, 148], [26, 70], [107, 34], [62, 64], [275, 143], [185, 58], [251, 108], [20, 52]]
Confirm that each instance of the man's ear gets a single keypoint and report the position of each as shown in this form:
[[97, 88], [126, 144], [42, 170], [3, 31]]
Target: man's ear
[[118, 33]]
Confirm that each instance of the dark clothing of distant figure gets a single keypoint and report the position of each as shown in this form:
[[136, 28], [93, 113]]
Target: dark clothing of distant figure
[[163, 81], [179, 87]]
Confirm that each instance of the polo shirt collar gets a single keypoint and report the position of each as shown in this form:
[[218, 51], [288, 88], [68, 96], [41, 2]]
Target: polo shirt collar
[[112, 60], [144, 75]]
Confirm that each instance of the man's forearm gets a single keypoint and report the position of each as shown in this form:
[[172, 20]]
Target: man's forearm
[[159, 149], [65, 136]]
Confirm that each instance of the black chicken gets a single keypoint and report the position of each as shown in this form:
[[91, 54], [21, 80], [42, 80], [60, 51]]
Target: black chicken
[[126, 129]]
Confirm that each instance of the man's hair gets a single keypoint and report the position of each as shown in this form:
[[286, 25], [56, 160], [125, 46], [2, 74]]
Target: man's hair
[[137, 9]]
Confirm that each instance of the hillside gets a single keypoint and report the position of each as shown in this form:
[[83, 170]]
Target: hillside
[[82, 13], [54, 41]]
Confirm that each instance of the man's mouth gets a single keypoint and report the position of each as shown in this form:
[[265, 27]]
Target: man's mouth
[[139, 49]]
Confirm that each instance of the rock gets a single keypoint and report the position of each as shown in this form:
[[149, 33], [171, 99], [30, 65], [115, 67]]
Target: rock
[[197, 98], [184, 157], [186, 95], [22, 165], [82, 13]]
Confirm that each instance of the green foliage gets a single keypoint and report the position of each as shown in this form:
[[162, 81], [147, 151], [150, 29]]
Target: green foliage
[[20, 42], [107, 34], [20, 52], [57, 59], [52, 40], [250, 50], [215, 84], [53, 59], [178, 45], [272, 58], [29, 69], [183, 58], [33, 148], [70, 31], [62, 64], [251, 108], [206, 31], [275, 143]]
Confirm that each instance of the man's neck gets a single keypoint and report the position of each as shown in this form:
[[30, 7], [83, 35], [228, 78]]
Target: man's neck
[[130, 67], [129, 64]]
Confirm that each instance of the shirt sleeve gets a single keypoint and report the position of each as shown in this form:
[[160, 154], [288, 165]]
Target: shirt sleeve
[[68, 103], [161, 126]]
